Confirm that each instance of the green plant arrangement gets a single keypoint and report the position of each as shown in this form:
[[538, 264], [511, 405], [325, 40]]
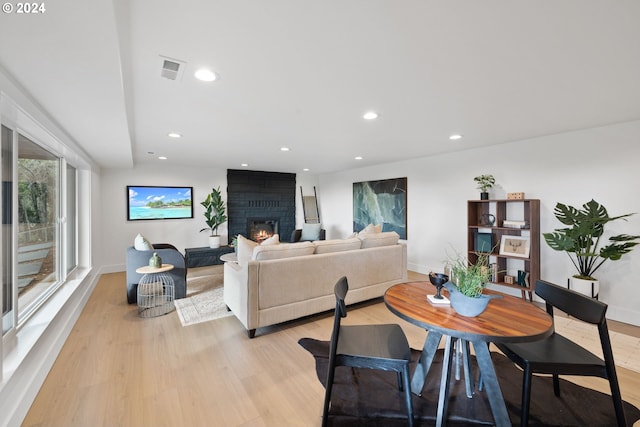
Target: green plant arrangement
[[215, 211], [485, 182], [470, 280], [581, 238]]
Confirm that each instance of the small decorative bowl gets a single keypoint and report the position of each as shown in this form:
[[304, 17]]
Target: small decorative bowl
[[437, 280]]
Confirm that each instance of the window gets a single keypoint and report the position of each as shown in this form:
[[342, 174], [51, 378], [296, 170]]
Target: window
[[6, 168], [38, 226]]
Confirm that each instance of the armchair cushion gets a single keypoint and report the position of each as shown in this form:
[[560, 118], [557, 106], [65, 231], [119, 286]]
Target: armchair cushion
[[310, 232], [296, 235]]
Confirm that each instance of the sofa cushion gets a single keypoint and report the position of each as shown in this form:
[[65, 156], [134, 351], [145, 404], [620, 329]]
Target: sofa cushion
[[142, 244], [245, 249], [310, 232], [374, 240], [283, 250], [336, 245]]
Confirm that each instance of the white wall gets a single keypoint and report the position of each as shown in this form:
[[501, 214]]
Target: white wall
[[118, 233], [572, 168]]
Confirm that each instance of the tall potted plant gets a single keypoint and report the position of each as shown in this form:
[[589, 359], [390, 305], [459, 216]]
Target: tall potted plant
[[485, 182], [581, 240], [215, 215]]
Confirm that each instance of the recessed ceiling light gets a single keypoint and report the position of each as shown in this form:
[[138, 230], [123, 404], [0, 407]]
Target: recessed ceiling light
[[306, 169], [370, 115], [205, 75], [284, 149], [358, 157], [162, 158], [174, 135], [244, 165], [455, 136]]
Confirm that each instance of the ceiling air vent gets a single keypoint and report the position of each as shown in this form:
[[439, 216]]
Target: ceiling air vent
[[171, 68]]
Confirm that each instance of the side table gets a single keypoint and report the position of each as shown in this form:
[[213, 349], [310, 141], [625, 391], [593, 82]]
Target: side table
[[201, 257], [230, 257], [156, 291]]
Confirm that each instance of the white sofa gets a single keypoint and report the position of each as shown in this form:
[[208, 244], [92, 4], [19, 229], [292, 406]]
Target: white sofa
[[289, 281]]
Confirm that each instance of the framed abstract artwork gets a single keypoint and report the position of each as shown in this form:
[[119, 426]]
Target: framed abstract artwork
[[381, 202]]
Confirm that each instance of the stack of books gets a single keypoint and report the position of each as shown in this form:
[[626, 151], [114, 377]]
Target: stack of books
[[514, 224]]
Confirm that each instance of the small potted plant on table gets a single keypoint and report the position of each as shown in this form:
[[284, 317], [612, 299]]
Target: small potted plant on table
[[467, 283]]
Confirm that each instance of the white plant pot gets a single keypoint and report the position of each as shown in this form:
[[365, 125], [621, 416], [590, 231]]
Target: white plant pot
[[589, 288], [214, 242]]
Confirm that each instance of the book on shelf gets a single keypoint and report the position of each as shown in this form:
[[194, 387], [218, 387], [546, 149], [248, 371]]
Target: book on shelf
[[514, 224]]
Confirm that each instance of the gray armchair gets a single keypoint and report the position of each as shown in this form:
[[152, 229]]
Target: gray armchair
[[169, 255]]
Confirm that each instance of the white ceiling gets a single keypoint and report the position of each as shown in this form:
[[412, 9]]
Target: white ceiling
[[301, 74]]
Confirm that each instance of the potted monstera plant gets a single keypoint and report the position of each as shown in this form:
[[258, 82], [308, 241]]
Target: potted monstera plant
[[583, 240], [215, 215]]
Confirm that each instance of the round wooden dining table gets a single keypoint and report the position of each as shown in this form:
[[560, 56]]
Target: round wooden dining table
[[506, 319]]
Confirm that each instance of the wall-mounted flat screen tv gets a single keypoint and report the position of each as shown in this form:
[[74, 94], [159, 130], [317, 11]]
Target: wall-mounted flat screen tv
[[147, 202]]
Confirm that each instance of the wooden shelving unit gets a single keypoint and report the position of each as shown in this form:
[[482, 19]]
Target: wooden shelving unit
[[527, 210]]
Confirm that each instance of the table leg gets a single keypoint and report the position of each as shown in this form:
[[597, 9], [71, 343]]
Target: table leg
[[424, 364], [445, 382], [490, 381], [468, 372]]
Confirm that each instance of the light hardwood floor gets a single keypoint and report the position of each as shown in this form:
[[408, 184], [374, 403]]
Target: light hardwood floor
[[117, 369]]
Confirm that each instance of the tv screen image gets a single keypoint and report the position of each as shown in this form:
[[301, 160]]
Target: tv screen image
[[150, 202]]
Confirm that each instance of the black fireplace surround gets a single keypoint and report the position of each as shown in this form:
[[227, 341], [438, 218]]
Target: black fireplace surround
[[260, 203]]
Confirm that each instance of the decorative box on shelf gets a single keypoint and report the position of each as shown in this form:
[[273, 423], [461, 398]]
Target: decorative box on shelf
[[515, 196]]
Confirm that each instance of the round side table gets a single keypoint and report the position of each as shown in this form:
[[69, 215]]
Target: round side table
[[156, 291]]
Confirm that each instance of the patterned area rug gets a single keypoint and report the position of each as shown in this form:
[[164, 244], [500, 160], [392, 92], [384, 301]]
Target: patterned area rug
[[366, 397], [204, 300]]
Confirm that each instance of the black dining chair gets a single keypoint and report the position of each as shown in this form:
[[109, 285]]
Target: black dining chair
[[558, 355], [383, 347]]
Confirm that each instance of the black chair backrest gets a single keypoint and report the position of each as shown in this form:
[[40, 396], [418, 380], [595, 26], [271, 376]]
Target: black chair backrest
[[341, 288], [572, 303]]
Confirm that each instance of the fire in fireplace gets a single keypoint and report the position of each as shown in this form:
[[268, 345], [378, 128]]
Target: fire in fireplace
[[261, 228]]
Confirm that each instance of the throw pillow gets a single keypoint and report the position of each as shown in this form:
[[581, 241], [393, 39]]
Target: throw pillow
[[245, 249], [310, 232], [273, 240], [142, 244], [371, 229]]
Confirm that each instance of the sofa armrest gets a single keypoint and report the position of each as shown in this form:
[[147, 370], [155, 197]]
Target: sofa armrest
[[236, 293]]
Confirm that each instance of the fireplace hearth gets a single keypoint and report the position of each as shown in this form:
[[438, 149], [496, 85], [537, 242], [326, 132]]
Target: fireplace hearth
[[266, 198], [261, 229]]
